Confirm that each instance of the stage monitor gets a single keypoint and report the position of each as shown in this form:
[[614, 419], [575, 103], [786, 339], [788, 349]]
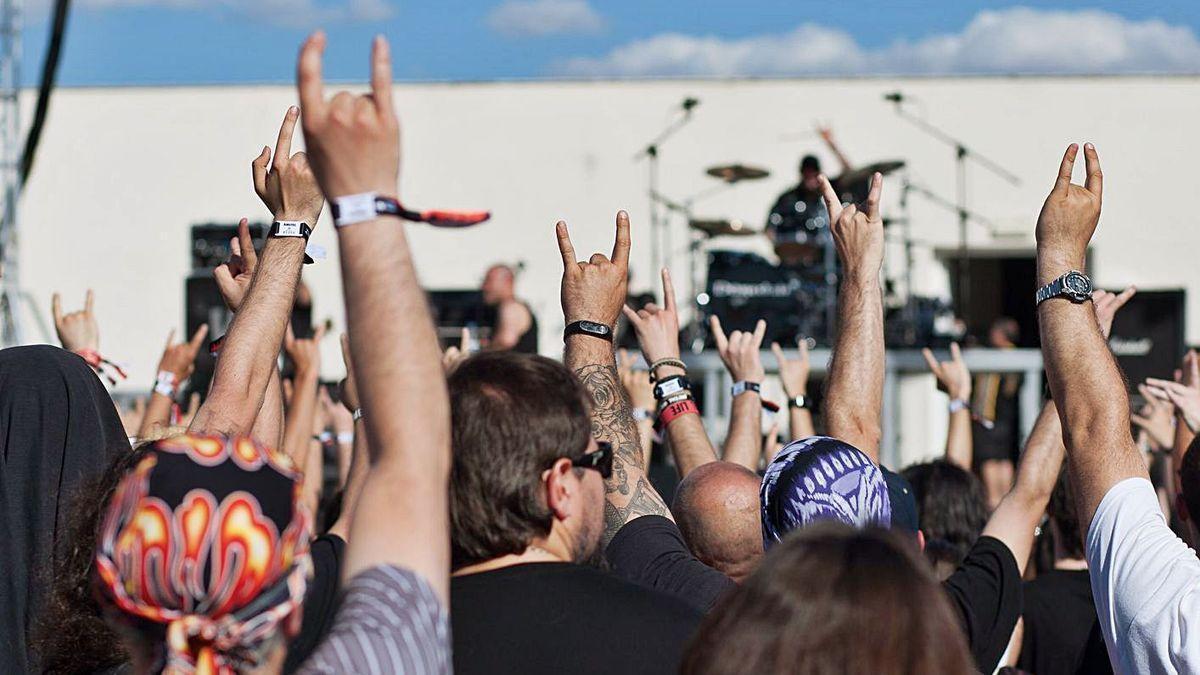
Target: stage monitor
[[1148, 335]]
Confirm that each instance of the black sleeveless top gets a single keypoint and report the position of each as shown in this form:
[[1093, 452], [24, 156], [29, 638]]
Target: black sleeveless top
[[528, 342]]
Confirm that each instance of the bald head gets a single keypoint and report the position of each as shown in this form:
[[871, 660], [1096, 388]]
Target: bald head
[[499, 284], [717, 510]]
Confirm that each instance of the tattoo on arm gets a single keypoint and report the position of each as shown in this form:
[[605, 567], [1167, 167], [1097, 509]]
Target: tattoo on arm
[[628, 494]]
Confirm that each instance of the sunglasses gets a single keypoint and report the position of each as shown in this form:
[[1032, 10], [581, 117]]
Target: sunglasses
[[600, 460]]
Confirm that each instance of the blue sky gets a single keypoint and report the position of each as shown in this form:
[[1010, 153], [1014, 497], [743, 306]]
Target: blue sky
[[230, 41]]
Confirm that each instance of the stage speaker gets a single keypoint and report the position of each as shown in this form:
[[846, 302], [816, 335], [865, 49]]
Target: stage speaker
[[1148, 335], [453, 310], [203, 304]]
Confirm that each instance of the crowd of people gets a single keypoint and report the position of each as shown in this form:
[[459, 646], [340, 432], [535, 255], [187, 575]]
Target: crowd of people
[[493, 512]]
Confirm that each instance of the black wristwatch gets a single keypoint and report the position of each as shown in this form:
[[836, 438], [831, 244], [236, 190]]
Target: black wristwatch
[[596, 330], [800, 402], [670, 386], [1074, 286]]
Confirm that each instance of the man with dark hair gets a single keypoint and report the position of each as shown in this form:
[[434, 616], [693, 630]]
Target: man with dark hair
[[716, 508], [952, 512], [547, 468]]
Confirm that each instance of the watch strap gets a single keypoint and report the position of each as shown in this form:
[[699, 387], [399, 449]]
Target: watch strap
[[359, 208], [800, 402], [590, 328], [671, 386], [744, 386], [290, 228]]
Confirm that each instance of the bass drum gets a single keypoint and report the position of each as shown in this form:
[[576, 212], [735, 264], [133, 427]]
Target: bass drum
[[744, 287]]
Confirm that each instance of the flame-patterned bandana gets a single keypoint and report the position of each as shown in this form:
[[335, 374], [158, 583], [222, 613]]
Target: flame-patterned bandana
[[208, 537]]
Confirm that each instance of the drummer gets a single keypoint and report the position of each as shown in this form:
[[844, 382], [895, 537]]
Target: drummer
[[800, 211]]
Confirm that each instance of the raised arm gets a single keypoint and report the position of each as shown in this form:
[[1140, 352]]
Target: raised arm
[[248, 355], [793, 374], [854, 398], [740, 354], [657, 330], [954, 379], [300, 426], [640, 391], [826, 135], [175, 366], [402, 514], [1084, 377], [595, 291], [357, 473]]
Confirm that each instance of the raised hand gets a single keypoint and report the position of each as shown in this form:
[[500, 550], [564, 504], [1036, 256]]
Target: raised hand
[[793, 373], [180, 359], [1156, 418], [353, 141], [636, 382], [595, 290], [857, 230], [77, 331], [305, 353], [1184, 395], [287, 185], [657, 328], [740, 351], [953, 376], [455, 355], [1107, 304], [233, 276], [1070, 213]]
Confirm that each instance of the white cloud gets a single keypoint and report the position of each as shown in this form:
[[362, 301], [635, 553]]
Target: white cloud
[[538, 18], [291, 13], [1017, 40]]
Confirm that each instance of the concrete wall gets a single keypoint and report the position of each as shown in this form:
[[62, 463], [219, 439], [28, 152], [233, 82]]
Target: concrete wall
[[123, 172]]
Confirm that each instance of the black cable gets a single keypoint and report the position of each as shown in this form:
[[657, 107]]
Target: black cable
[[58, 26]]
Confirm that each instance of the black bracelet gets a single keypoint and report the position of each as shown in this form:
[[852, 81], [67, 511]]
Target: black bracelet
[[800, 402]]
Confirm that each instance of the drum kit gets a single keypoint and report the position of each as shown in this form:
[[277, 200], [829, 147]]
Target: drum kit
[[796, 295]]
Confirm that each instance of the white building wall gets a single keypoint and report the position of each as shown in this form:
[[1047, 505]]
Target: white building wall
[[123, 172]]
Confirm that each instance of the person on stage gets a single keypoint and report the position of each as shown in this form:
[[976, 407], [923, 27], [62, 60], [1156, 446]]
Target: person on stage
[[798, 214], [514, 327]]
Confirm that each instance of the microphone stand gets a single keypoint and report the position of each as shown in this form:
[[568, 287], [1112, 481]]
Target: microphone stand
[[962, 153], [658, 224]]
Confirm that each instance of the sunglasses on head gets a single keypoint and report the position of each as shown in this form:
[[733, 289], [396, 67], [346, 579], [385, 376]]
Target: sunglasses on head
[[599, 460]]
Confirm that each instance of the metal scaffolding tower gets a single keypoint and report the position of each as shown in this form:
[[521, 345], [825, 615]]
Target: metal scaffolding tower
[[10, 169]]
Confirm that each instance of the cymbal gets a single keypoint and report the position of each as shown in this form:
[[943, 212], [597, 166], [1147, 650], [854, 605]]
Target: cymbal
[[732, 173], [862, 174], [715, 227]]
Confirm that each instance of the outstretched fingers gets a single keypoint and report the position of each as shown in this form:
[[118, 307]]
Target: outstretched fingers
[[1065, 168], [873, 196], [833, 204], [668, 290], [620, 252], [283, 144], [1091, 163], [381, 76], [565, 247], [308, 76], [718, 334], [197, 338]]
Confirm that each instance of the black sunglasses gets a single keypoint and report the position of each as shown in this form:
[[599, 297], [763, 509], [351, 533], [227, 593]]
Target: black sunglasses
[[601, 460]]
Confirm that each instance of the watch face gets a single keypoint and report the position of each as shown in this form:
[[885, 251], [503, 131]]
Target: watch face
[[1077, 284]]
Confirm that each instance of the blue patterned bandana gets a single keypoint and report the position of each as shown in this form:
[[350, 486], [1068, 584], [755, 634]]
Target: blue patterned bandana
[[820, 478]]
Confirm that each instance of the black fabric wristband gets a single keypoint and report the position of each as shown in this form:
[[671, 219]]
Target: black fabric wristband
[[589, 328]]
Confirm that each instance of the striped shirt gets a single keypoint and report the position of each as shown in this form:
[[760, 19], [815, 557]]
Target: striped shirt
[[390, 621]]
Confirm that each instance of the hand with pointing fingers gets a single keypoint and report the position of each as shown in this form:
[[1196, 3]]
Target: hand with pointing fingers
[[1106, 305], [1156, 418], [857, 231], [793, 373], [1070, 214], [233, 276], [305, 353], [455, 355], [353, 141], [953, 376], [657, 328], [740, 351], [179, 359], [77, 331], [1184, 395], [287, 185], [595, 290]]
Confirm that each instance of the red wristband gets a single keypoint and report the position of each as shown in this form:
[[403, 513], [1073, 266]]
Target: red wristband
[[676, 410]]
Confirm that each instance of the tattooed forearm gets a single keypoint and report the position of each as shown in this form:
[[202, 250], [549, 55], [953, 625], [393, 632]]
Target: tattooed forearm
[[627, 492]]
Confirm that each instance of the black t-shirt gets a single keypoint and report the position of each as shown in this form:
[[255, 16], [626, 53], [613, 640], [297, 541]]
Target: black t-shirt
[[1062, 632], [564, 618], [650, 551], [320, 600], [986, 591]]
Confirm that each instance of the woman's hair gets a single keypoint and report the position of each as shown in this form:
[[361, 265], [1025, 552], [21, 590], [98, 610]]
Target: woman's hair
[[951, 507], [70, 634], [831, 599]]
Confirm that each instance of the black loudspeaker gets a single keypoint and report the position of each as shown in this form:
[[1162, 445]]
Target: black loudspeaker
[[1148, 335], [453, 310], [203, 304]]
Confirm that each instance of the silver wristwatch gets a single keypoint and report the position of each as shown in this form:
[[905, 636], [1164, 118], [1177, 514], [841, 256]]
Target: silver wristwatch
[[1074, 286]]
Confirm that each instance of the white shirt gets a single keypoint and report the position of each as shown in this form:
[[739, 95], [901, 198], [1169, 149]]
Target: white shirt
[[1146, 583]]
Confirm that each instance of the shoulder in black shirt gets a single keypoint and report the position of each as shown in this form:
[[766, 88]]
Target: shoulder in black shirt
[[564, 618], [986, 592], [320, 600], [1062, 633], [650, 551]]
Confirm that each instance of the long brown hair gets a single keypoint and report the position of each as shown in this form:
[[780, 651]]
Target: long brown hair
[[831, 599]]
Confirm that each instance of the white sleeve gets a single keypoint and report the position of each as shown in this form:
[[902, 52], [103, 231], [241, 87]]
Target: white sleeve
[[1146, 583]]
